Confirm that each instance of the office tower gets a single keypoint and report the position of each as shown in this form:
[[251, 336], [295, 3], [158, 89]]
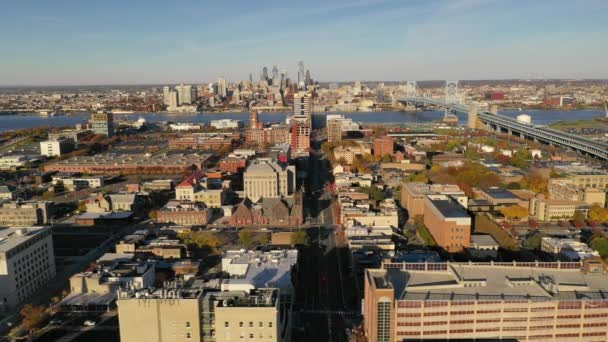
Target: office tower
[[253, 119], [251, 77], [334, 130], [102, 123], [275, 76], [308, 80], [301, 83], [264, 74], [265, 179], [166, 91], [221, 87], [515, 301], [184, 94], [27, 263], [302, 104]]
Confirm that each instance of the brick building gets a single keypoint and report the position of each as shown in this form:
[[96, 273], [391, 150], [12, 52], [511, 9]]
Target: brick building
[[383, 146]]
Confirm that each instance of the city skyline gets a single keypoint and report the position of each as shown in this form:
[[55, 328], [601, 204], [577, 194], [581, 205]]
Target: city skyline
[[114, 43]]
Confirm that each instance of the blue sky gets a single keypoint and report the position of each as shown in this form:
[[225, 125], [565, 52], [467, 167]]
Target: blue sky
[[64, 42]]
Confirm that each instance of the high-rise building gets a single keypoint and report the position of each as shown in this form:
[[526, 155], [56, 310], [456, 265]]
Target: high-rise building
[[308, 79], [301, 80], [300, 136], [102, 123], [275, 76], [173, 101], [264, 74], [184, 94], [253, 119], [334, 130], [303, 105], [221, 87], [166, 91], [27, 263], [519, 301], [267, 179]]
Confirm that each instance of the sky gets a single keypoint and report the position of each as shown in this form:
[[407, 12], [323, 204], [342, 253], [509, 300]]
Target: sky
[[74, 42]]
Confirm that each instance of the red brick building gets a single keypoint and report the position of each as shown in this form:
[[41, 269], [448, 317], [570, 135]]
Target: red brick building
[[383, 146], [233, 164]]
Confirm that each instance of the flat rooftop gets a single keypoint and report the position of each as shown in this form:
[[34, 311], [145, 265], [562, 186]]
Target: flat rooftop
[[463, 281], [13, 237], [500, 193], [449, 208]]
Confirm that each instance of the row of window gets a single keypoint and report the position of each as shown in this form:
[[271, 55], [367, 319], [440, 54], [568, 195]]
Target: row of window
[[251, 324]]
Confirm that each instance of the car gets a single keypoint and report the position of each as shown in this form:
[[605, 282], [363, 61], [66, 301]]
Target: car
[[89, 323], [55, 322]]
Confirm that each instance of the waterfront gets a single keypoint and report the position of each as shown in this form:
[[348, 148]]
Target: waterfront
[[540, 117]]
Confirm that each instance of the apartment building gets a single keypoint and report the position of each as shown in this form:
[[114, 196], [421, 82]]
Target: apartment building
[[565, 189], [334, 130], [384, 146], [492, 301], [448, 222], [183, 213], [554, 209], [102, 123], [27, 263], [195, 189], [349, 153]]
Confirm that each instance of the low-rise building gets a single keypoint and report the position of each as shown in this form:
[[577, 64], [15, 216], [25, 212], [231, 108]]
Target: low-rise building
[[565, 189], [75, 182], [554, 209], [27, 263], [483, 246], [233, 164], [568, 249], [183, 213], [226, 123], [413, 195], [195, 188], [448, 222], [25, 213], [349, 153], [57, 147]]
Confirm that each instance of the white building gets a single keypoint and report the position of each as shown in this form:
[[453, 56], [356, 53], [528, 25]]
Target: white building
[[568, 249], [226, 123], [185, 127], [221, 87], [27, 263], [266, 179], [55, 148], [184, 94]]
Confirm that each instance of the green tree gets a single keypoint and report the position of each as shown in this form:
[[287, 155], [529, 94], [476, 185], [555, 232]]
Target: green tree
[[521, 159], [533, 241], [374, 193], [600, 244], [246, 239], [300, 238], [418, 177], [578, 218]]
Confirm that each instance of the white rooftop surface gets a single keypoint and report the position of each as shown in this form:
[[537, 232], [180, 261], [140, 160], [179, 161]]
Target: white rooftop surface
[[13, 237], [260, 269], [492, 282]]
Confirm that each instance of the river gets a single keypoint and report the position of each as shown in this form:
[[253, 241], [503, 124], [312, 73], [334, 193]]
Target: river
[[540, 117]]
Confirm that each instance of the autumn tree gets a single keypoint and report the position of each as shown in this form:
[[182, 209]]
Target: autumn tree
[[33, 317], [418, 177], [299, 238], [515, 212], [246, 239], [597, 213]]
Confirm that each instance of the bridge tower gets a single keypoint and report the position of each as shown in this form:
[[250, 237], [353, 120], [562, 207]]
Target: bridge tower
[[451, 97], [411, 91]]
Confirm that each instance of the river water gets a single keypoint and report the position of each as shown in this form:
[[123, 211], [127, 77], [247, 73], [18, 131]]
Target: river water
[[540, 117]]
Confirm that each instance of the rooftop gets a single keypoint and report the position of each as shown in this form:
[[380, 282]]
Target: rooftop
[[13, 237]]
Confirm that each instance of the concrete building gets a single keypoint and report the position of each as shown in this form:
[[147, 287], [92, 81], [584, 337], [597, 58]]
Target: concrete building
[[501, 198], [25, 213], [268, 179], [27, 263], [193, 314], [554, 209], [334, 130], [448, 222], [75, 182], [55, 148], [349, 153], [383, 146], [114, 273], [567, 249], [413, 195], [491, 301], [565, 189], [303, 105], [226, 123], [483, 246], [102, 123], [184, 94]]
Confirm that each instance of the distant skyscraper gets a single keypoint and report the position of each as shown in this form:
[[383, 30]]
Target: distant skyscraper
[[173, 101], [301, 82], [251, 77], [221, 87], [166, 91], [264, 74], [102, 123], [275, 76], [308, 80]]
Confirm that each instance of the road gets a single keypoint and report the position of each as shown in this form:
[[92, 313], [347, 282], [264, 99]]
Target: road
[[326, 299]]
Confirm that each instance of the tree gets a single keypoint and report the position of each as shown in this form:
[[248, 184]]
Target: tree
[[418, 177], [373, 192], [202, 239], [33, 316], [600, 244], [246, 239], [597, 213], [578, 219], [514, 212], [299, 238], [521, 158], [533, 241], [82, 206]]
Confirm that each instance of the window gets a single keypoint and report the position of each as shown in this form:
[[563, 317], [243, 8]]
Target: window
[[188, 335], [261, 324], [270, 324], [241, 324], [251, 335], [187, 324], [251, 324], [227, 324]]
